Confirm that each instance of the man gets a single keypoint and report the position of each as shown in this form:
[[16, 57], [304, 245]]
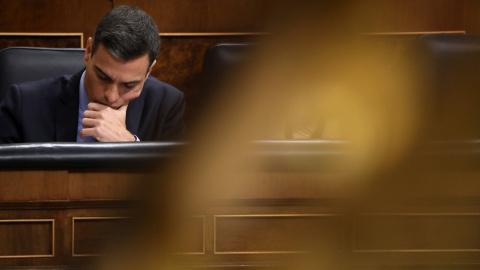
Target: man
[[113, 99]]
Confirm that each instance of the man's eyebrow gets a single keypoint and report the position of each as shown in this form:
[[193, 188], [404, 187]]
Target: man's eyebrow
[[108, 77], [103, 73], [133, 82]]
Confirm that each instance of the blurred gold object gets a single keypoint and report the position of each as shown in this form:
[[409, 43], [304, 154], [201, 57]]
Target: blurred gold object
[[318, 77]]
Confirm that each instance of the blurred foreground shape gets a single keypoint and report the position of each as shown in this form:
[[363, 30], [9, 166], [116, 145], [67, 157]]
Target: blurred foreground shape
[[398, 188], [390, 182]]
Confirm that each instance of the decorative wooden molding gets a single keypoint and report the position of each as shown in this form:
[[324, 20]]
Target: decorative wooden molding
[[216, 34], [431, 250], [64, 204], [202, 217], [52, 221], [415, 33], [88, 218], [213, 34], [216, 217]]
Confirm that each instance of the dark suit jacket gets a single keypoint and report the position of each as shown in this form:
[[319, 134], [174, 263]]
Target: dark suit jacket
[[47, 111]]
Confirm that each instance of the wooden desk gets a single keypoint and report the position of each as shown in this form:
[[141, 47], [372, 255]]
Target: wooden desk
[[424, 214]]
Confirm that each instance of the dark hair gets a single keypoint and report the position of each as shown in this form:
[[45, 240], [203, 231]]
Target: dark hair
[[127, 33]]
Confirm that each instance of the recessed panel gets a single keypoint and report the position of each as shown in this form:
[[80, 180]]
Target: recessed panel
[[91, 236], [417, 232], [277, 233], [26, 238], [192, 236]]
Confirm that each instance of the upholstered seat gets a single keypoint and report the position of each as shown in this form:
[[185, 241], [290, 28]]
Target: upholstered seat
[[220, 62], [453, 62], [23, 64]]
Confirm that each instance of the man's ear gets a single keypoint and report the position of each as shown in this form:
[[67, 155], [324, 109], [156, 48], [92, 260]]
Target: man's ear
[[150, 69], [88, 51]]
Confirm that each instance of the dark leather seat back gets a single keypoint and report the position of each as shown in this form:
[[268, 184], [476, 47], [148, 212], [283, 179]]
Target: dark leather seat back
[[453, 62], [23, 64], [220, 62]]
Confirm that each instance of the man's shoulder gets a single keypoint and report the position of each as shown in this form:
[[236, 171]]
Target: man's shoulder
[[45, 82], [158, 94], [155, 86], [50, 87], [46, 86]]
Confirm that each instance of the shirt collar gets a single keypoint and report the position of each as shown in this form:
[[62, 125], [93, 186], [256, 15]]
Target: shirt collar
[[83, 102]]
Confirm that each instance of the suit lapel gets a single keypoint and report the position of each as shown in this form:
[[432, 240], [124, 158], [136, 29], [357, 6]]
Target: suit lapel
[[134, 114], [66, 112]]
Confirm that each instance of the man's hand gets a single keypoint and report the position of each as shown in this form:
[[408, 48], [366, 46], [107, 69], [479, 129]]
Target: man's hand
[[105, 124]]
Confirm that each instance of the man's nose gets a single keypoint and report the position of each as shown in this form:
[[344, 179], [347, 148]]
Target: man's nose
[[111, 93]]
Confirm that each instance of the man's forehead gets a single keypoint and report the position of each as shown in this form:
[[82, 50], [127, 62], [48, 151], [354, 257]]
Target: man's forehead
[[107, 53], [105, 63]]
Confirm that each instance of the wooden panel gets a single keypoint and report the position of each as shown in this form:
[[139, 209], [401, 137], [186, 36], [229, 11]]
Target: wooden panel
[[52, 16], [88, 230], [180, 63], [41, 40], [192, 236], [417, 232], [225, 15], [103, 185], [204, 15], [275, 185], [31, 234], [259, 234], [90, 234], [411, 15], [472, 17], [33, 185], [27, 238], [251, 15]]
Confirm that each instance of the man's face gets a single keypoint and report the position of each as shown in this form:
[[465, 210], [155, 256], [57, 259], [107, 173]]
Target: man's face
[[113, 82]]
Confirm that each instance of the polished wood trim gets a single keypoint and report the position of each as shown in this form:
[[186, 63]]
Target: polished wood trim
[[35, 34], [203, 240], [416, 33], [64, 204], [73, 232], [212, 34], [262, 216], [32, 220], [355, 250]]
